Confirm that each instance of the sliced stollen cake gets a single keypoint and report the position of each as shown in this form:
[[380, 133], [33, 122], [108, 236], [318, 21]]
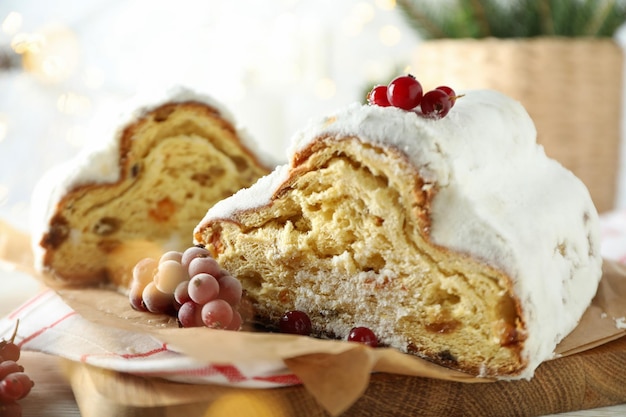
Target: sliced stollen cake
[[455, 239], [141, 190]]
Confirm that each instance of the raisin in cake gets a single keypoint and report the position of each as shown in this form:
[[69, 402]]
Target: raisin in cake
[[143, 189], [456, 239]]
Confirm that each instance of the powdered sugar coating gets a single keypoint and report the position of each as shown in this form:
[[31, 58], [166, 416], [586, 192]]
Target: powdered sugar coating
[[248, 198], [499, 198]]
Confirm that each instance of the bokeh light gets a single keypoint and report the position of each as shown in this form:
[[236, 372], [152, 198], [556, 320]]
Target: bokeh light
[[12, 23], [4, 126], [275, 65], [390, 35], [52, 55], [325, 88], [386, 4]]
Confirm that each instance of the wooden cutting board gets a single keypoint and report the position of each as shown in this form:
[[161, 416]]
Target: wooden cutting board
[[595, 378]]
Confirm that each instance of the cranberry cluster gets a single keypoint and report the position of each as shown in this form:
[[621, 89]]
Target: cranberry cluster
[[14, 383], [406, 93], [298, 322]]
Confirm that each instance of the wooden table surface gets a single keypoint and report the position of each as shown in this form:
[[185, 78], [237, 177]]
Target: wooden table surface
[[52, 395]]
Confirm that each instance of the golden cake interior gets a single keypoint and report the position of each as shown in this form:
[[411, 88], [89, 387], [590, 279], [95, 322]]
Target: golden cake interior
[[345, 239], [176, 162]]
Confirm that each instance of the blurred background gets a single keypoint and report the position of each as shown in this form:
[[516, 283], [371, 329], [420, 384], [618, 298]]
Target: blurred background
[[273, 63]]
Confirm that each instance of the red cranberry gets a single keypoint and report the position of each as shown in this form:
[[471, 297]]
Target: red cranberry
[[363, 335], [404, 92], [436, 103], [378, 96], [295, 322]]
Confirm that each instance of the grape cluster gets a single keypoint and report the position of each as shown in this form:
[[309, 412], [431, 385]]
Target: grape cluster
[[15, 384], [406, 93], [189, 285]]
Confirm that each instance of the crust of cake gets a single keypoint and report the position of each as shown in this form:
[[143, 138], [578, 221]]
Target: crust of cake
[[174, 162], [346, 239]]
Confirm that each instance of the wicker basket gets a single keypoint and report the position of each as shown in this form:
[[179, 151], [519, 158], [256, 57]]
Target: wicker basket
[[571, 87]]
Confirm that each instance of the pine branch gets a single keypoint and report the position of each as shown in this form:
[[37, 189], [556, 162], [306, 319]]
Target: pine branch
[[595, 24], [425, 24], [514, 19], [481, 17], [546, 18]]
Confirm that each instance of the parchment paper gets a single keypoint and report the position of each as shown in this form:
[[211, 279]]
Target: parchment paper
[[335, 372]]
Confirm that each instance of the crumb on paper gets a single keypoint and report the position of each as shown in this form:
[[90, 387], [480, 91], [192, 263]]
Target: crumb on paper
[[603, 315], [620, 322]]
